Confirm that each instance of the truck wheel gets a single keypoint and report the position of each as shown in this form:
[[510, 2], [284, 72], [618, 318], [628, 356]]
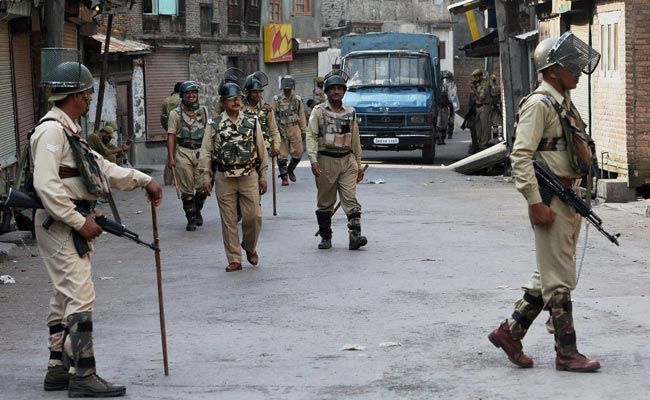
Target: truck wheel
[[428, 153]]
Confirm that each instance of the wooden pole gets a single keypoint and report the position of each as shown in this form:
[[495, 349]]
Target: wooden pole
[[161, 307], [104, 74], [178, 191], [275, 203]]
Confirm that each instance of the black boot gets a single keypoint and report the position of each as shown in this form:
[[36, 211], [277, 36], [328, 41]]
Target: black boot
[[58, 376], [190, 212], [354, 227], [324, 229], [199, 201], [85, 382], [292, 166], [284, 171]]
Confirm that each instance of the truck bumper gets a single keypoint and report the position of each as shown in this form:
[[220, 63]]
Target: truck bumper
[[387, 140]]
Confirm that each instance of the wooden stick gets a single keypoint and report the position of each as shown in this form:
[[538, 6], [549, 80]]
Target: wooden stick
[[275, 202], [338, 205], [161, 307], [178, 191]]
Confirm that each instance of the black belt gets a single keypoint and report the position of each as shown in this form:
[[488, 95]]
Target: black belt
[[333, 155], [189, 145]]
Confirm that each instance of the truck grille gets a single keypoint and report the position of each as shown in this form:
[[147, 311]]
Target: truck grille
[[393, 121]]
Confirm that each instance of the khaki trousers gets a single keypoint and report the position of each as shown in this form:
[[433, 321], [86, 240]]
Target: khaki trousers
[[483, 127], [187, 170], [337, 175], [292, 143], [555, 247], [243, 190], [70, 274]]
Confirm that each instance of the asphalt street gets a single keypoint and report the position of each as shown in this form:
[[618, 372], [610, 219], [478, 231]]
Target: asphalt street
[[445, 259]]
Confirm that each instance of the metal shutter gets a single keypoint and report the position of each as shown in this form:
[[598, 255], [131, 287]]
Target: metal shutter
[[162, 70], [7, 122], [70, 36], [20, 45], [580, 95], [304, 68]]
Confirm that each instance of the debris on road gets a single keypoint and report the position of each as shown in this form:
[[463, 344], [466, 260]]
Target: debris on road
[[352, 347], [6, 279], [389, 344]]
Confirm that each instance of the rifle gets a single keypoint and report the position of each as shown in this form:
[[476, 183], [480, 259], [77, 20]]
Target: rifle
[[550, 185], [20, 199], [470, 114]]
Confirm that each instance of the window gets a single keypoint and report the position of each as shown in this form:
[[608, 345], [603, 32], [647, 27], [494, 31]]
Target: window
[[442, 50], [302, 7], [384, 70], [609, 44], [274, 11], [206, 19], [161, 7], [244, 17]]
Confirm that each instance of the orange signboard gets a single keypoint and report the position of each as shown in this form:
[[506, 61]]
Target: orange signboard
[[277, 43]]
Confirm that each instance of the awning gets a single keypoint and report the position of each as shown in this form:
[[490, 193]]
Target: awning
[[129, 47], [310, 45], [467, 5], [487, 46], [530, 35]]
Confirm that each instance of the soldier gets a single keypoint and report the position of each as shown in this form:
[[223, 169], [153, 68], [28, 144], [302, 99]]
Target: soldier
[[187, 124], [254, 105], [481, 90], [546, 121], [69, 176], [290, 115], [233, 153], [319, 94], [334, 149], [444, 110], [170, 103], [100, 143]]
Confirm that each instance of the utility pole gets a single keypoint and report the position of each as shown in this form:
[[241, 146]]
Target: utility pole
[[54, 17], [104, 74]]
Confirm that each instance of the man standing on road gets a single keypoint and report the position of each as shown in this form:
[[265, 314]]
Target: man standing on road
[[290, 115], [547, 120], [187, 124], [233, 152], [481, 90], [334, 149], [68, 176], [168, 105], [254, 105]]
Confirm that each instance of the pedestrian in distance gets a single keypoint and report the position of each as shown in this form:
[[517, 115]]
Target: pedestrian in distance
[[334, 149], [481, 91], [170, 103], [550, 130], [68, 177], [187, 124], [318, 92], [290, 115], [234, 155]]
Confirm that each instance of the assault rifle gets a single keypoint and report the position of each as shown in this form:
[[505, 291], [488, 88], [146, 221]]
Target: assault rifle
[[18, 199], [550, 185], [469, 115]]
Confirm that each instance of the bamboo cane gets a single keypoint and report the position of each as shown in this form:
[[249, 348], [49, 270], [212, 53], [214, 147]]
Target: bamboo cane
[[275, 202], [178, 191], [161, 307]]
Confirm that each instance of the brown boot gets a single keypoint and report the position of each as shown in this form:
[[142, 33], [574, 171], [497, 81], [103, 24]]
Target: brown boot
[[513, 348], [285, 181], [575, 363]]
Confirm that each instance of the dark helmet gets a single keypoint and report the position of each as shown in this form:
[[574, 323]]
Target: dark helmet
[[288, 82], [189, 86], [228, 90], [252, 85], [68, 78], [333, 81]]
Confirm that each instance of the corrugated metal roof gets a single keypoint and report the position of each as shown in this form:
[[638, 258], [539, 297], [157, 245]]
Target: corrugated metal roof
[[122, 45], [466, 5]]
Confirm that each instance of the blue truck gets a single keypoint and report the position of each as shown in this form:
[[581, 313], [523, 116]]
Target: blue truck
[[392, 84]]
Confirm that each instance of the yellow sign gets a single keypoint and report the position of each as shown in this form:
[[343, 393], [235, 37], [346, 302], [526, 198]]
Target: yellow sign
[[277, 43]]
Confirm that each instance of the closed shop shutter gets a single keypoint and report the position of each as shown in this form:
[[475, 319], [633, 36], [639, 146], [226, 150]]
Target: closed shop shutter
[[70, 36], [20, 45], [162, 70], [580, 95], [7, 122], [304, 68]]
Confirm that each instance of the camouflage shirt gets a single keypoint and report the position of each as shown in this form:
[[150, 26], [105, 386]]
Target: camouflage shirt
[[266, 117], [289, 111]]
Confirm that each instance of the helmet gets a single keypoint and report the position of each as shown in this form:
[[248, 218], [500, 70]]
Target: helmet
[[333, 81], [111, 124], [288, 82], [108, 129], [477, 72], [69, 77], [255, 82], [540, 55], [320, 79], [228, 90], [189, 86]]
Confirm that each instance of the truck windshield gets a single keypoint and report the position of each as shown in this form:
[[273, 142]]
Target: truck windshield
[[388, 70]]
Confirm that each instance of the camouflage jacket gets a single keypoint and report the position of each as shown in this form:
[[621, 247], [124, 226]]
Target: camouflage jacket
[[266, 117]]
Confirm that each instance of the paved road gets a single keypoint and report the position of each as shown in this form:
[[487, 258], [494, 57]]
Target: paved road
[[445, 257]]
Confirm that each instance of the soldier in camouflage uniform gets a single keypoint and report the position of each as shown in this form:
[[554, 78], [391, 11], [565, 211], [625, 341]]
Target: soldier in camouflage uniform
[[548, 116], [290, 116], [255, 105], [187, 124], [334, 149], [481, 90], [319, 94], [168, 105], [233, 153]]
